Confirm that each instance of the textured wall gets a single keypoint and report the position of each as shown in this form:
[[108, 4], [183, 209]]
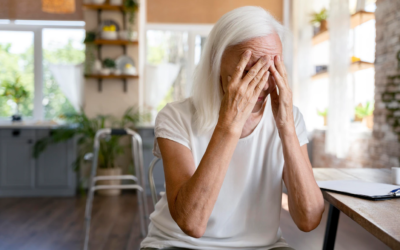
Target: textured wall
[[385, 149]]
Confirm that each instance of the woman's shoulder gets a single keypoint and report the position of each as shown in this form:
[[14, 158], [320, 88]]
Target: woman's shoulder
[[183, 109]]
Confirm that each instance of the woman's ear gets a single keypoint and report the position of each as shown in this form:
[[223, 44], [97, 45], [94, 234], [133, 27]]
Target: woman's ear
[[222, 86]]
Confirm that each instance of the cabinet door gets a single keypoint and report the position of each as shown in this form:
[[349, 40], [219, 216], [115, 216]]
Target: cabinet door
[[54, 168], [16, 162]]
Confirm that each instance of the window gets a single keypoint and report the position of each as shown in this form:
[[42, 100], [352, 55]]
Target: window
[[170, 48], [27, 49]]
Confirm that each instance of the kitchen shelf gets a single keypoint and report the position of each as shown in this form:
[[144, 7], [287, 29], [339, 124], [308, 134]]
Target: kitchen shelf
[[103, 7], [113, 42], [356, 19], [355, 66], [100, 79], [112, 76]]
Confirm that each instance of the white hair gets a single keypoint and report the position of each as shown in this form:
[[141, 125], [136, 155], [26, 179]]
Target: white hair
[[234, 27]]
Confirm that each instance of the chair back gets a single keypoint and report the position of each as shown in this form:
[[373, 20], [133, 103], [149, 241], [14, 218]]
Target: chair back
[[151, 181]]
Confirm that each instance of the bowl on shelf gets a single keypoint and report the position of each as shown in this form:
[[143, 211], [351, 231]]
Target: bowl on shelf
[[116, 2], [116, 72], [109, 35], [105, 71], [130, 70], [126, 35], [98, 1]]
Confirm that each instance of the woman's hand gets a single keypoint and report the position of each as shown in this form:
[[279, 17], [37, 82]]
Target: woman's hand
[[242, 93], [282, 103]]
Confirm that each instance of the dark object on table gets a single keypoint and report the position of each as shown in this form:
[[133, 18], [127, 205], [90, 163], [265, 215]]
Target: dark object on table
[[16, 118], [321, 68]]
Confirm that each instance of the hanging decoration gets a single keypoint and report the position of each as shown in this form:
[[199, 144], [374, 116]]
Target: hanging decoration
[[58, 6]]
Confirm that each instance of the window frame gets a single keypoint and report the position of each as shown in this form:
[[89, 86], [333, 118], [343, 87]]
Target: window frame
[[37, 26]]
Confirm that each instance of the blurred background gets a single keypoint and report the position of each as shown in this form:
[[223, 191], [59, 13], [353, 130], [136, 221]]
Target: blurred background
[[71, 67]]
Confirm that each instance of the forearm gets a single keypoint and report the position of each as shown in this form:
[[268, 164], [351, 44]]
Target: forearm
[[196, 198], [304, 196]]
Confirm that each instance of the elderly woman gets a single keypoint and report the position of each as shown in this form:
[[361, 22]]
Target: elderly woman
[[228, 147]]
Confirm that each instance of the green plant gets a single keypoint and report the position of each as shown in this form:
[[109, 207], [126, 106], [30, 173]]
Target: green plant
[[90, 37], [363, 111], [318, 17], [84, 129], [131, 6], [109, 63], [323, 113], [15, 91]]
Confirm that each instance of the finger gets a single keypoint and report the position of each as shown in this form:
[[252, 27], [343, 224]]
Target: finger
[[261, 84], [277, 77], [280, 66], [237, 75], [255, 69], [258, 77]]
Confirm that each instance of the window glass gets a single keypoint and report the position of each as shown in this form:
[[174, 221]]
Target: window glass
[[169, 47], [16, 65], [60, 46]]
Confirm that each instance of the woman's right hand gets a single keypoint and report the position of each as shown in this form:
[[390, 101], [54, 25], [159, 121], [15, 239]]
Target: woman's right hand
[[242, 93]]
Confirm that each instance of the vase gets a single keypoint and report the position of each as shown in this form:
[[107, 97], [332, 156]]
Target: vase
[[109, 172], [324, 26], [116, 2]]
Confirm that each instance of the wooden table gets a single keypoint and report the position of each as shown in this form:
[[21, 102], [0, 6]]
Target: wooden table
[[380, 218]]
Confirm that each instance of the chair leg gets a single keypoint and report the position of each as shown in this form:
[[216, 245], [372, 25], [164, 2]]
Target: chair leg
[[141, 213], [88, 216]]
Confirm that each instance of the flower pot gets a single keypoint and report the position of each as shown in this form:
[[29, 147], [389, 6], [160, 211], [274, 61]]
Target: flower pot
[[109, 172], [98, 1], [109, 35], [369, 121], [116, 2], [323, 26]]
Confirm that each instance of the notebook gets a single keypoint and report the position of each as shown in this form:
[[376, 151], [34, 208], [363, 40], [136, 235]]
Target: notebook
[[361, 189]]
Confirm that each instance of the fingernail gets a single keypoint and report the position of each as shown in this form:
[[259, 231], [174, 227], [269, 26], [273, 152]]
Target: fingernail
[[279, 58], [247, 53], [264, 59], [229, 78]]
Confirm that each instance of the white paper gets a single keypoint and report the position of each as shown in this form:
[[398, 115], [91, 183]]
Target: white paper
[[357, 187]]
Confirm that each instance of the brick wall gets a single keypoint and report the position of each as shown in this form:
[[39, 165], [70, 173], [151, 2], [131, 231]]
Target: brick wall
[[381, 149]]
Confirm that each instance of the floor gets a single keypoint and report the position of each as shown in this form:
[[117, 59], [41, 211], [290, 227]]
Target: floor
[[57, 224]]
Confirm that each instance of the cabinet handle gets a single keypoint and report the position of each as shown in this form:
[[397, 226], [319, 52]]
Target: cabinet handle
[[16, 132]]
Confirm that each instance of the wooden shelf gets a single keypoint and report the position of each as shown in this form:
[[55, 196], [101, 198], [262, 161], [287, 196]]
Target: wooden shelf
[[361, 17], [356, 19], [355, 66], [103, 7], [113, 42], [112, 76]]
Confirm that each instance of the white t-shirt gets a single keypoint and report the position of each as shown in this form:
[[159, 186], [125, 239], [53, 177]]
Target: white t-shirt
[[247, 212]]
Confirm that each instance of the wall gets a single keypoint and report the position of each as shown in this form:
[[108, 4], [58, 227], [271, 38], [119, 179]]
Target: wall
[[385, 149], [112, 99], [203, 11]]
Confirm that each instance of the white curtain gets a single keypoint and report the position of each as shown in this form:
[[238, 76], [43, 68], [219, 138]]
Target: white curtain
[[339, 108], [159, 79], [70, 80]]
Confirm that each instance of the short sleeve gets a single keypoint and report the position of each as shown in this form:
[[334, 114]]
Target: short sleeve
[[301, 129], [170, 124]]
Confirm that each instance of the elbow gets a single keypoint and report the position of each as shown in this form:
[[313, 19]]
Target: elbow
[[312, 219], [192, 229]]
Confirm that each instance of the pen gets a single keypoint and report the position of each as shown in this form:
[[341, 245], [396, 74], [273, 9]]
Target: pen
[[395, 192]]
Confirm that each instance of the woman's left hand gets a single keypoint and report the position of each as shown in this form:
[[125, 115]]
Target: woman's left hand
[[282, 103]]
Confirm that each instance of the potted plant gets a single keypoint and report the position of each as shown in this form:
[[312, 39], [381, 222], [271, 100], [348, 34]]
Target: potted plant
[[319, 19], [15, 91], [82, 127], [109, 66], [324, 114], [130, 7], [365, 114]]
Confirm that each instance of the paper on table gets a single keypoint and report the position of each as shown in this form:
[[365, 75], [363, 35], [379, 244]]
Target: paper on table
[[356, 187]]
